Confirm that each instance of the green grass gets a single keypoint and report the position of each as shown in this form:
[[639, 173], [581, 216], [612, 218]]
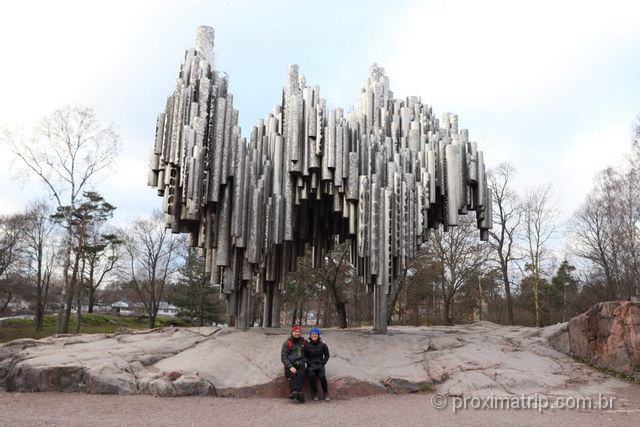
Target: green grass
[[91, 324], [426, 388], [360, 324]]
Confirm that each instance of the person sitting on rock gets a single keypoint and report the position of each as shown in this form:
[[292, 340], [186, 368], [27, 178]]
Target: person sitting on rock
[[317, 355], [293, 359]]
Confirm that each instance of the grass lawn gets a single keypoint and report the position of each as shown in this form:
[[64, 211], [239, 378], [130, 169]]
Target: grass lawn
[[91, 324]]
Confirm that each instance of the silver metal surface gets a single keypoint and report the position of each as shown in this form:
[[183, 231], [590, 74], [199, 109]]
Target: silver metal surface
[[380, 175]]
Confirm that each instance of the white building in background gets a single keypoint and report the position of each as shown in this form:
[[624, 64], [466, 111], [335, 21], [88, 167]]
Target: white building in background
[[124, 308], [167, 309], [19, 305]]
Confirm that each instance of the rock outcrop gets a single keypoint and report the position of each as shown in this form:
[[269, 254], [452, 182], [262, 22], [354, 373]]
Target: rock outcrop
[[478, 359], [607, 334]]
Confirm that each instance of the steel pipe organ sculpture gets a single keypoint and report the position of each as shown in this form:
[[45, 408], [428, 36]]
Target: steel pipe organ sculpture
[[381, 176]]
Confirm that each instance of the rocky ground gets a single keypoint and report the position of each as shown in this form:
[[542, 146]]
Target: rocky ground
[[607, 334], [478, 359], [482, 361]]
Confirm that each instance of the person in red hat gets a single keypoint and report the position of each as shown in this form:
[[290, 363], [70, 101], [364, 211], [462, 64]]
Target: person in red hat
[[292, 357]]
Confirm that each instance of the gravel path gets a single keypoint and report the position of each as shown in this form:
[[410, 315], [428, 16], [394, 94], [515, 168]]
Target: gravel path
[[76, 409]]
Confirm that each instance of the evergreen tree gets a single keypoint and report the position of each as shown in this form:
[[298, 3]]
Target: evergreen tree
[[87, 215], [196, 297], [564, 286]]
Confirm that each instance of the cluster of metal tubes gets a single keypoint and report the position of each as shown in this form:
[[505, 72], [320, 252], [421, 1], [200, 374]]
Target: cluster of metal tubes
[[381, 176]]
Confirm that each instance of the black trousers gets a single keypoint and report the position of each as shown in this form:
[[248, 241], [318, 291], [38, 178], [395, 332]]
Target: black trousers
[[317, 372], [296, 381]]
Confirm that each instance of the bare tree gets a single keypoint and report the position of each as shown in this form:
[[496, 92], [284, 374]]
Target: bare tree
[[539, 217], [404, 298], [605, 230], [67, 151], [591, 239], [303, 292], [11, 235], [627, 220], [40, 243], [329, 283], [333, 274], [507, 214], [151, 255], [460, 257]]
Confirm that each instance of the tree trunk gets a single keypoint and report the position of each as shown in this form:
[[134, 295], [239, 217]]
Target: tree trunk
[[341, 309], [70, 294], [45, 295], [507, 292], [536, 302], [39, 315], [201, 302], [396, 295], [65, 286], [201, 313], [91, 298], [326, 316], [152, 321], [480, 299], [39, 297], [39, 306], [564, 303], [79, 315], [446, 314], [293, 316], [6, 303], [415, 302]]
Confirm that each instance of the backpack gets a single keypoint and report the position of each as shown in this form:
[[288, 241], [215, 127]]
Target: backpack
[[290, 343]]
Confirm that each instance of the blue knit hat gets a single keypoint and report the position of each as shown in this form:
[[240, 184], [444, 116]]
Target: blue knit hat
[[316, 330]]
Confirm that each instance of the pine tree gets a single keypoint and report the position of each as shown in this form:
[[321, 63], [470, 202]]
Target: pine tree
[[88, 214], [196, 297], [565, 286]]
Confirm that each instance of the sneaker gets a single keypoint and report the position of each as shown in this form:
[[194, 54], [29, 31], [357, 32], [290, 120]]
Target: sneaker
[[316, 396], [300, 397], [292, 395], [326, 397]]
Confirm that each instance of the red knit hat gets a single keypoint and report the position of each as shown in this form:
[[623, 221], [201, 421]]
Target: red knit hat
[[296, 328]]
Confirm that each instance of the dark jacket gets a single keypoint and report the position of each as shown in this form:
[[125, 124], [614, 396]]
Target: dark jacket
[[316, 353], [294, 356]]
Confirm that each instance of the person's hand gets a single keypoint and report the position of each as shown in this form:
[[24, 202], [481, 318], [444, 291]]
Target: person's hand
[[293, 370]]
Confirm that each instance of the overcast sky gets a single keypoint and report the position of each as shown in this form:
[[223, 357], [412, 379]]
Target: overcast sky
[[550, 86]]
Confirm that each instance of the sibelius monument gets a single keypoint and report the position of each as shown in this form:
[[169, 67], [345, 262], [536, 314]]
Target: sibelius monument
[[381, 177]]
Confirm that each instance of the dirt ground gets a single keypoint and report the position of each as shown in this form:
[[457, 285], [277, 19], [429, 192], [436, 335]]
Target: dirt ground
[[76, 409]]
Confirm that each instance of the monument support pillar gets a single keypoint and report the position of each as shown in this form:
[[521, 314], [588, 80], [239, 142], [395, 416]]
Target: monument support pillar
[[379, 308], [267, 309], [277, 306]]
